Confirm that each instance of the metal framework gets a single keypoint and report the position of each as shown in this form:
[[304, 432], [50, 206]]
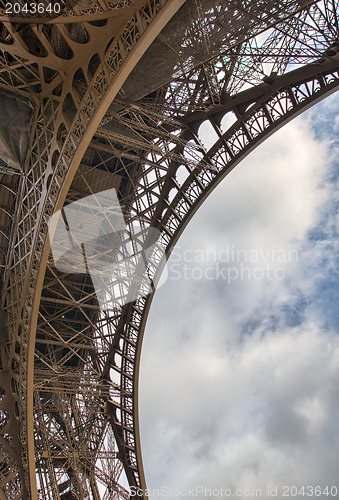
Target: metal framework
[[118, 92]]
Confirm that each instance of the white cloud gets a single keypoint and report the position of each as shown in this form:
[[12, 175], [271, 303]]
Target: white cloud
[[265, 403], [274, 193]]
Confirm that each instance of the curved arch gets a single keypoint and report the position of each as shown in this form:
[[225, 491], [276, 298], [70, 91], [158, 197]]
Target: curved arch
[[290, 95], [270, 112]]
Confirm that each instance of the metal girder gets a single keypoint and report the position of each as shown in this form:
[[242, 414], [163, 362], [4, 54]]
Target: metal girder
[[72, 367], [66, 118]]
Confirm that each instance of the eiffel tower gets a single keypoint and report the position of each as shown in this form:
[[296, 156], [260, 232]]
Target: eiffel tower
[[101, 95]]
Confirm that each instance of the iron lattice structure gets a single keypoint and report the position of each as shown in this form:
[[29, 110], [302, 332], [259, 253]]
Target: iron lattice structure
[[112, 95]]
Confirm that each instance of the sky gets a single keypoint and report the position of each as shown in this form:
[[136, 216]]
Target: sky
[[239, 371]]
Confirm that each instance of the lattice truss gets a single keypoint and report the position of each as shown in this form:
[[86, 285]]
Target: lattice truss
[[69, 371]]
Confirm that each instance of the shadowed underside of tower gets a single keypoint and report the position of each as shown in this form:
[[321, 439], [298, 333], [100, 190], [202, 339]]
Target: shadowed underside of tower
[[110, 96]]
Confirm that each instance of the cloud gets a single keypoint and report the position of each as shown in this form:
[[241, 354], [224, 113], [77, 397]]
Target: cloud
[[238, 379], [270, 398]]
